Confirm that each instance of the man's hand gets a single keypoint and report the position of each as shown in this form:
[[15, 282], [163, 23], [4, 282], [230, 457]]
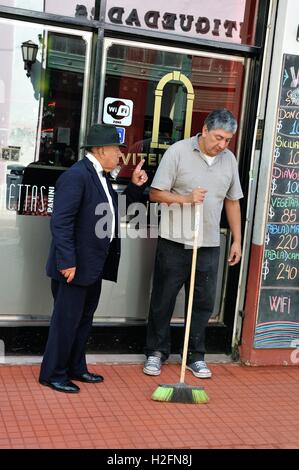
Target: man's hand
[[68, 273], [235, 254], [197, 195], [139, 176]]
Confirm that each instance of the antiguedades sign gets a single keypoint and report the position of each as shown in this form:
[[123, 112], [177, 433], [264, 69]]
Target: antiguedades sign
[[217, 20]]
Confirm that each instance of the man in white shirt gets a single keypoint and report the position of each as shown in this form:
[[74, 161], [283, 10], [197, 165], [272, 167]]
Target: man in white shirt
[[80, 257], [198, 170]]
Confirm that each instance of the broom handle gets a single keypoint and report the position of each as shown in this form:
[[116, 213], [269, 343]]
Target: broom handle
[[191, 292]]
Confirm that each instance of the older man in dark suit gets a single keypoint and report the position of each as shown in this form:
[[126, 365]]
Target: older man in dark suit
[[80, 257]]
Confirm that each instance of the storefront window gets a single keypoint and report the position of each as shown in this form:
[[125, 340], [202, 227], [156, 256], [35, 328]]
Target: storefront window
[[40, 114], [40, 121], [190, 86], [83, 9]]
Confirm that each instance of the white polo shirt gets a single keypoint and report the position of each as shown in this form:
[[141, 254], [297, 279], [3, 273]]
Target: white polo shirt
[[184, 168]]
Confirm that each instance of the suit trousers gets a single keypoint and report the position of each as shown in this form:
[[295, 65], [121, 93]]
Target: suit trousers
[[74, 308], [172, 272]]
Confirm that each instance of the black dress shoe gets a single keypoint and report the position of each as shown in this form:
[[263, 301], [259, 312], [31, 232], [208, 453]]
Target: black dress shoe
[[88, 377], [66, 387]]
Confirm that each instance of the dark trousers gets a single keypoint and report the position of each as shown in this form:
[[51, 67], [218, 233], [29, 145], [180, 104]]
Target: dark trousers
[[172, 271], [70, 327]]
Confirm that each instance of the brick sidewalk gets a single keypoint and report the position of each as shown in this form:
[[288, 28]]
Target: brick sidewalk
[[249, 408]]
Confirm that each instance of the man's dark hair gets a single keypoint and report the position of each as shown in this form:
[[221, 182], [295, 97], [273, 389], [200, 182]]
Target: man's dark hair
[[221, 119]]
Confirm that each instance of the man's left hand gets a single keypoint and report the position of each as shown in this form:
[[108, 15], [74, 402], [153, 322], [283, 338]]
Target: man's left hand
[[139, 176], [235, 254], [68, 273]]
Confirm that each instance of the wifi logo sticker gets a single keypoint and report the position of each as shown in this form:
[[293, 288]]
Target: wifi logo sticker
[[118, 111]]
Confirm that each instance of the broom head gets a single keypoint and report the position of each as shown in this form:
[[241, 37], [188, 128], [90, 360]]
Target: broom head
[[180, 393]]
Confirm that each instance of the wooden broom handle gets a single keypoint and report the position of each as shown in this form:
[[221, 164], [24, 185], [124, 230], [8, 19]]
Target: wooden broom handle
[[191, 293]]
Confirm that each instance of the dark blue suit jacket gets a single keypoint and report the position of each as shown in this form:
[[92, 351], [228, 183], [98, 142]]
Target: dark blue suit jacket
[[73, 226]]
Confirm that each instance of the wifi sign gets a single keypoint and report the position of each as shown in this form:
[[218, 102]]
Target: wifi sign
[[118, 111]]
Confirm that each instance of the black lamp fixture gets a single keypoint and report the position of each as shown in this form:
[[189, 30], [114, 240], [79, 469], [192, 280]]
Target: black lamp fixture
[[29, 52]]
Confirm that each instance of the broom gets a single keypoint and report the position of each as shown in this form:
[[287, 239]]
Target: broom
[[181, 392]]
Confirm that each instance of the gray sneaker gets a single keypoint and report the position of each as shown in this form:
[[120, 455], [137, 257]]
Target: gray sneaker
[[152, 365], [200, 369]]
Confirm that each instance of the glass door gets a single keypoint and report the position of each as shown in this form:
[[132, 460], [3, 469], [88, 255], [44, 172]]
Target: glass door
[[155, 96], [169, 93]]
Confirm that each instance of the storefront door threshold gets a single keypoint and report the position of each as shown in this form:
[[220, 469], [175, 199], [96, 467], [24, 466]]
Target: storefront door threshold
[[113, 359]]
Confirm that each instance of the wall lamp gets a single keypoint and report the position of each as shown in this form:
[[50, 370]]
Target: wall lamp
[[29, 52]]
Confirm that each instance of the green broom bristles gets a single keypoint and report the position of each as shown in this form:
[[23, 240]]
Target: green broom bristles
[[180, 393], [163, 393]]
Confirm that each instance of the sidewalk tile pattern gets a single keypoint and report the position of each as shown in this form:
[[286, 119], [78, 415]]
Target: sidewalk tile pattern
[[250, 407]]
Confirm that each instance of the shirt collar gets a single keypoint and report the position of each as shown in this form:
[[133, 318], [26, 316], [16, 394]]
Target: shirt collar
[[98, 167], [195, 146], [194, 142]]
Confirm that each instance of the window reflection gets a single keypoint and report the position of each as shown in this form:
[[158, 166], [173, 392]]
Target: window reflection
[[40, 115], [61, 113], [134, 73]]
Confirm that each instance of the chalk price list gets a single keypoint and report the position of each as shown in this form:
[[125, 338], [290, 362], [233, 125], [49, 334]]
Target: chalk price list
[[278, 316], [281, 255]]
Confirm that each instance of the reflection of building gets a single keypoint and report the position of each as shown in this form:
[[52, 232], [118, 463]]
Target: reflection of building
[[61, 111], [218, 84], [216, 81], [81, 62]]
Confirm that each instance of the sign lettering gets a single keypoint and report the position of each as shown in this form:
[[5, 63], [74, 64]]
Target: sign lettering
[[216, 20]]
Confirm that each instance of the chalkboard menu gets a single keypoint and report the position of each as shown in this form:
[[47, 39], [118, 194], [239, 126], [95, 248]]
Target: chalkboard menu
[[278, 315]]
